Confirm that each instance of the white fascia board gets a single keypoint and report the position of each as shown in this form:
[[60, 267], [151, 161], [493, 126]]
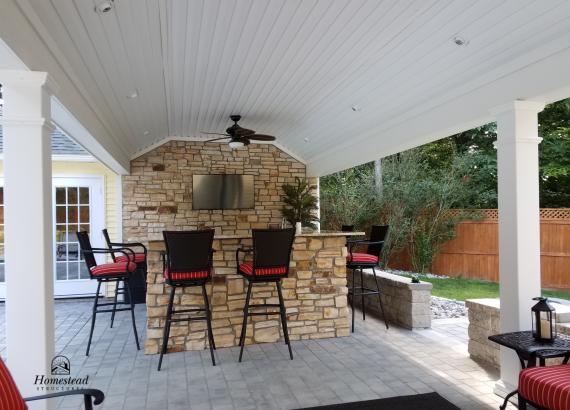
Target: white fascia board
[[202, 139], [75, 130], [544, 81]]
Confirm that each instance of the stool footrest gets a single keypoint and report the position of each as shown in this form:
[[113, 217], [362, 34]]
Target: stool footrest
[[188, 319]]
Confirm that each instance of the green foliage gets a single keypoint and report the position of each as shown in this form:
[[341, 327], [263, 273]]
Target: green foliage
[[349, 197], [300, 203]]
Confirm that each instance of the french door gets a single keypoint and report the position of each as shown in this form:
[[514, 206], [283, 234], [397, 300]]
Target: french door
[[77, 205]]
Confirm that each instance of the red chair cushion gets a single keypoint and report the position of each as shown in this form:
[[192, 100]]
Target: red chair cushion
[[247, 269], [548, 387], [361, 258], [137, 258], [113, 268], [10, 397], [202, 274]]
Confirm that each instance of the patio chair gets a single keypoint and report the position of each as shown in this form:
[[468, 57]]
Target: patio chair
[[108, 273], [188, 262], [138, 283], [11, 399], [271, 253], [366, 260]]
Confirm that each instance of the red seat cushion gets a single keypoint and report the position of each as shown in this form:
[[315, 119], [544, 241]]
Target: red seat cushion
[[548, 387], [247, 269], [113, 268], [10, 397], [202, 274], [361, 258], [137, 257]]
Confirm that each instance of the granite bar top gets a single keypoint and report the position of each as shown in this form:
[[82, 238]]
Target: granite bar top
[[304, 234]]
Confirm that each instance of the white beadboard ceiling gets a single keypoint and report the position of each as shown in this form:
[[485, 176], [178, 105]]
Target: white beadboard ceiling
[[295, 68]]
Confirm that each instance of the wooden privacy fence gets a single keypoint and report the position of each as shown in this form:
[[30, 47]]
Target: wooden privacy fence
[[474, 253]]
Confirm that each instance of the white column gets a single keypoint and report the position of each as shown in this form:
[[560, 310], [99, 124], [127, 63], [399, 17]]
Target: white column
[[28, 228], [519, 223]]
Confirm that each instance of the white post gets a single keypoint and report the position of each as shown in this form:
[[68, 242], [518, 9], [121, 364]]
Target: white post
[[28, 228], [519, 224]]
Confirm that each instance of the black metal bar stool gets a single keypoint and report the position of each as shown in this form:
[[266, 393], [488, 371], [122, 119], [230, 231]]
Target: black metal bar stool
[[187, 262], [105, 273], [138, 280], [368, 260], [271, 254]]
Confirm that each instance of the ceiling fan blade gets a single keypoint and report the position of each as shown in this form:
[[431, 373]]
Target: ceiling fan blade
[[213, 133], [217, 139], [242, 132], [261, 137]]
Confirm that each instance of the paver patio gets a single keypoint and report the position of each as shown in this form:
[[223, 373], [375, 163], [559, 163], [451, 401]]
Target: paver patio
[[372, 363]]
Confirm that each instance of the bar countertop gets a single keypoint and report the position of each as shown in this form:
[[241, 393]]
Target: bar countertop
[[158, 239]]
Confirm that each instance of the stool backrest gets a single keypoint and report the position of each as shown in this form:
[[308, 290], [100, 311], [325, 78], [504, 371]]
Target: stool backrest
[[272, 247], [108, 241], [347, 228], [85, 245], [189, 251], [377, 233]]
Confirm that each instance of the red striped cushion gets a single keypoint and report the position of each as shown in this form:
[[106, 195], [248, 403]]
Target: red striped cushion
[[548, 387], [361, 258], [113, 268], [10, 397], [247, 269], [138, 257], [202, 274]]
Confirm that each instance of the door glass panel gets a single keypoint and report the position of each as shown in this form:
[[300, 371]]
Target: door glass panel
[[60, 214], [84, 196], [60, 196], [72, 216], [72, 198], [69, 215]]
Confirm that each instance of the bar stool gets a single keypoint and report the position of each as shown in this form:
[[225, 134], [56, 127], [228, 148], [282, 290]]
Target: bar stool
[[187, 262], [369, 259], [105, 273], [271, 254], [139, 258]]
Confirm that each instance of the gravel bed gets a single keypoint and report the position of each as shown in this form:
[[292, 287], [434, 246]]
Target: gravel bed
[[446, 308]]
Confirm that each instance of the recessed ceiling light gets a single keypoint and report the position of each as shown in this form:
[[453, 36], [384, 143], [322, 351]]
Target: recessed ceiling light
[[133, 95], [460, 41], [355, 108], [146, 133], [306, 139], [105, 6]]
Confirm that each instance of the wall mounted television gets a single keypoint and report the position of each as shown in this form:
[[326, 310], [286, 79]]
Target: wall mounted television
[[222, 191]]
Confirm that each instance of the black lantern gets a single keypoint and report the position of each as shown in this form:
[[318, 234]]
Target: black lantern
[[543, 321]]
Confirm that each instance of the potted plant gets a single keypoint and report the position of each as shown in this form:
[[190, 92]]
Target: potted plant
[[300, 203]]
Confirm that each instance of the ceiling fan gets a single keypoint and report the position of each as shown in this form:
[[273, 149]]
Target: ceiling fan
[[238, 135]]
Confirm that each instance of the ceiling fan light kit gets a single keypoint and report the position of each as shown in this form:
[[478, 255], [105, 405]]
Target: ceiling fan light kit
[[238, 135]]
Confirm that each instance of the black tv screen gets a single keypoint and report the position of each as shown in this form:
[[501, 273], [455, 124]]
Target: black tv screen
[[222, 192]]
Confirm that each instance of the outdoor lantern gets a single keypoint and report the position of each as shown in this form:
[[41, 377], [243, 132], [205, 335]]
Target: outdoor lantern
[[543, 321]]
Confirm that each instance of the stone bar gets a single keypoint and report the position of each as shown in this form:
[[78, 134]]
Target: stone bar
[[315, 296]]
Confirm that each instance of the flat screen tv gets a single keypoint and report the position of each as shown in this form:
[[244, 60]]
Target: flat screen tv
[[222, 192]]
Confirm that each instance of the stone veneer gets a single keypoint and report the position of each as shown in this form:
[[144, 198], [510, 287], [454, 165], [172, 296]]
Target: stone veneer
[[484, 321], [157, 195], [406, 304], [315, 297]]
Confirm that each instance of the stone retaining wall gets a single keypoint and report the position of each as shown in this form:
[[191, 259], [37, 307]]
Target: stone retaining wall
[[406, 304], [315, 297], [484, 321]]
